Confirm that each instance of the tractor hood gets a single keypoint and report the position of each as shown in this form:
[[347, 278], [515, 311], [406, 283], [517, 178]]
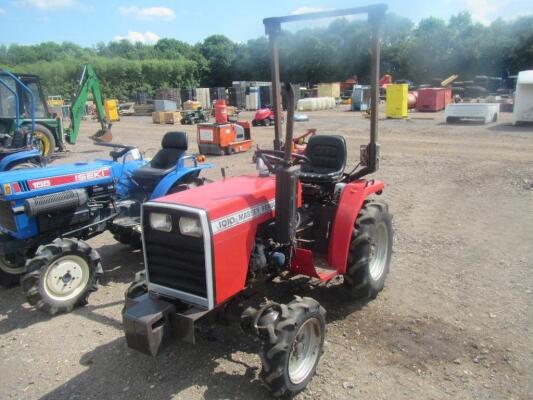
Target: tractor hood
[[30, 182], [231, 201]]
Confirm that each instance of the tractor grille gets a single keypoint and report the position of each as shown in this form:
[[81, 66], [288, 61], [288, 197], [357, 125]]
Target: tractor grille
[[173, 260], [7, 217]]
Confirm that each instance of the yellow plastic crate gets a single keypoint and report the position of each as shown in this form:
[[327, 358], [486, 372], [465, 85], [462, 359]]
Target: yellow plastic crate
[[396, 106], [111, 110]]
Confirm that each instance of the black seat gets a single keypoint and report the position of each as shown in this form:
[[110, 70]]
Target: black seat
[[173, 147], [327, 154]]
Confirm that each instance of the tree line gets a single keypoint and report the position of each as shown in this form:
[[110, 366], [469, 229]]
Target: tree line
[[431, 49]]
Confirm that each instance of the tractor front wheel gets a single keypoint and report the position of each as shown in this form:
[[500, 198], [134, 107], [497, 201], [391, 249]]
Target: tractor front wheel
[[11, 269], [292, 346], [370, 250], [61, 276]]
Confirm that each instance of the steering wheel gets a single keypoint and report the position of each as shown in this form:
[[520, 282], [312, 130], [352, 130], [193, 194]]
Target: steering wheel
[[273, 158], [115, 155]]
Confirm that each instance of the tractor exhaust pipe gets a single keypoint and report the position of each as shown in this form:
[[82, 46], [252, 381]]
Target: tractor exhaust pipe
[[287, 182], [68, 200]]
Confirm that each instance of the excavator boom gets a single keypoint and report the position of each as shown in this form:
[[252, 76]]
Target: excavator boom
[[88, 84]]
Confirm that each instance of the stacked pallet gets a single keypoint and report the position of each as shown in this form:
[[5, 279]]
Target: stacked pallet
[[166, 117]]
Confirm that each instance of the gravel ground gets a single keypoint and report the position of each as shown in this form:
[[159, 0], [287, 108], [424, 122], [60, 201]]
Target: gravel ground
[[454, 321]]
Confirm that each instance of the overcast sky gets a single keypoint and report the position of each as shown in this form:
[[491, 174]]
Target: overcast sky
[[88, 22]]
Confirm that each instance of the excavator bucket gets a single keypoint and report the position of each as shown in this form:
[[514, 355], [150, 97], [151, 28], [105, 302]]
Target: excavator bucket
[[103, 135]]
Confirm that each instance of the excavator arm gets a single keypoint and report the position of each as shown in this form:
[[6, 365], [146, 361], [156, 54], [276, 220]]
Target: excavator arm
[[88, 84]]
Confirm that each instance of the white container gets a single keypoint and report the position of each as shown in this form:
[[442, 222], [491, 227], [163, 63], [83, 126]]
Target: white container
[[316, 103], [523, 101], [485, 112]]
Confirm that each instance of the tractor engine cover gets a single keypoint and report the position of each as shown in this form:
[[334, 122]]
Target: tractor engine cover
[[199, 242], [54, 202]]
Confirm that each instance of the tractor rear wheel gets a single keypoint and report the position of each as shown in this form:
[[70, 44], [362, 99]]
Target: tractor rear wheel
[[24, 165], [44, 140], [370, 250], [293, 346], [61, 276]]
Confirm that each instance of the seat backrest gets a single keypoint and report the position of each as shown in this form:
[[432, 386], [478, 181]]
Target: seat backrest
[[174, 145], [327, 153]]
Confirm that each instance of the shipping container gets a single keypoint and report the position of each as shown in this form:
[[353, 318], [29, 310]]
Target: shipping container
[[396, 100]]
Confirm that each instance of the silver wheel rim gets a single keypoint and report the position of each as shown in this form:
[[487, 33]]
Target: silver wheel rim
[[305, 350], [66, 277], [379, 252], [10, 267]]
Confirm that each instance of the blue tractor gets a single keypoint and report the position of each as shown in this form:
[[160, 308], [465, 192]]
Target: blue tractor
[[17, 147], [47, 213]]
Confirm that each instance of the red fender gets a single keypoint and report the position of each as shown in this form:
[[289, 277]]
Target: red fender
[[351, 201]]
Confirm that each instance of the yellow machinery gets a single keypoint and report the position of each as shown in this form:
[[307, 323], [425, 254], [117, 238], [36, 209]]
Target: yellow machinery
[[111, 110], [396, 106]]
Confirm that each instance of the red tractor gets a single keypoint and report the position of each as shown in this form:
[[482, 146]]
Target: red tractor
[[211, 249]]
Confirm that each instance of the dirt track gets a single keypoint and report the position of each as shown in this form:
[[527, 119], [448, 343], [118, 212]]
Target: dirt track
[[454, 322]]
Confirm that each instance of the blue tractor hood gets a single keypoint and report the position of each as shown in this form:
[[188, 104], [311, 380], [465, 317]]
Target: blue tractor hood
[[31, 182]]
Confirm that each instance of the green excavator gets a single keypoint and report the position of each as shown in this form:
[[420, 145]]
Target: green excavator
[[50, 133]]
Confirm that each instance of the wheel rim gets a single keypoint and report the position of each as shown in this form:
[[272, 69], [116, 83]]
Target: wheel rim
[[305, 350], [13, 267], [42, 142], [66, 277], [379, 251]]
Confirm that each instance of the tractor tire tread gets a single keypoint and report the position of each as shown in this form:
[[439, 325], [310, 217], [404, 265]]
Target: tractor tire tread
[[274, 356], [357, 278], [46, 254]]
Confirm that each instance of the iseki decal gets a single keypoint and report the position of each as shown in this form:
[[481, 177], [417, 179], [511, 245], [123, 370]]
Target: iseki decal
[[68, 179]]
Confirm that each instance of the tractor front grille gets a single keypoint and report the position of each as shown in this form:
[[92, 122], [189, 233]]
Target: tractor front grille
[[7, 217], [175, 261]]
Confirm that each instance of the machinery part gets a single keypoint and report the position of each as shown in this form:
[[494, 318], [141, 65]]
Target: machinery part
[[128, 237], [138, 287], [11, 269], [103, 135], [23, 165], [54, 202], [61, 276], [88, 83], [291, 351], [44, 140], [370, 250]]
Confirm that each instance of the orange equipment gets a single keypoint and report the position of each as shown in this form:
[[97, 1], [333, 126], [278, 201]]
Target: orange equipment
[[223, 139]]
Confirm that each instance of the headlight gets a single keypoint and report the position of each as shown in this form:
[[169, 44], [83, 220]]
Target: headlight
[[190, 227], [161, 222]]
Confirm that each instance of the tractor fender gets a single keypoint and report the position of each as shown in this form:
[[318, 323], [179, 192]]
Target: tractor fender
[[19, 157], [176, 175], [350, 203]]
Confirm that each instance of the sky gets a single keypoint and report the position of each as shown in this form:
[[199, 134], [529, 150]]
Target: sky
[[89, 22]]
